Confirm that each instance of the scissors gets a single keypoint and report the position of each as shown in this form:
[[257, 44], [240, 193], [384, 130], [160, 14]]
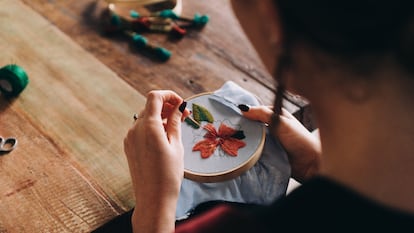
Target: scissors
[[7, 144]]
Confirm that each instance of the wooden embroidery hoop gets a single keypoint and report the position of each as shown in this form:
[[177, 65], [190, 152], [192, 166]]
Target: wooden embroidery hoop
[[247, 158]]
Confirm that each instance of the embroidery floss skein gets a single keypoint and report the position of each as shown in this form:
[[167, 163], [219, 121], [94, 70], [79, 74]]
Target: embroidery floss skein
[[142, 43], [197, 21], [158, 25], [13, 80]]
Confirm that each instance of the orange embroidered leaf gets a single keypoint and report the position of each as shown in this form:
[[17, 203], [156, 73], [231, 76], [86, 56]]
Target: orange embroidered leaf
[[211, 131], [225, 131], [231, 145], [226, 137], [206, 147]]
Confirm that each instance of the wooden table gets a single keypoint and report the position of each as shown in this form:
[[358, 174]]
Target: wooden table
[[68, 173]]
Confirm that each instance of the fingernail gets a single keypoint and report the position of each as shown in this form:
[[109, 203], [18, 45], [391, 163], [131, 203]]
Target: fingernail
[[182, 106], [243, 107]]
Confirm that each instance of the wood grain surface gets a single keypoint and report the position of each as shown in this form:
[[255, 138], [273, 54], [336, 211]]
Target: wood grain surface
[[202, 61], [70, 121], [69, 172], [40, 189]]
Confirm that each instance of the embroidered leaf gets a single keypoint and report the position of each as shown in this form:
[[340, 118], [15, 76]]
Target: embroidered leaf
[[206, 147], [200, 114], [190, 122], [239, 135], [225, 131], [225, 138], [211, 131], [231, 145]]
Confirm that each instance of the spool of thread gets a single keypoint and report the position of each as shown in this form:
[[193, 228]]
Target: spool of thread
[[13, 80]]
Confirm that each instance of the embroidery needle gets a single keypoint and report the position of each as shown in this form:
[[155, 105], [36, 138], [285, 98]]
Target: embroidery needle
[[192, 122], [189, 120]]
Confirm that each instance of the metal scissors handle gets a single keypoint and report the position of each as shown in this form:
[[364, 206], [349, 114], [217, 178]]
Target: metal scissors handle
[[7, 144]]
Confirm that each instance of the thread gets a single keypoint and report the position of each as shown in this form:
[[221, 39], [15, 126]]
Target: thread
[[200, 20], [13, 80], [167, 14], [161, 21], [134, 14], [142, 43], [117, 23]]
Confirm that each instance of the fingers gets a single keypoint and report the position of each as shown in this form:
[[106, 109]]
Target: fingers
[[163, 114], [173, 127], [160, 102], [257, 113], [263, 113]]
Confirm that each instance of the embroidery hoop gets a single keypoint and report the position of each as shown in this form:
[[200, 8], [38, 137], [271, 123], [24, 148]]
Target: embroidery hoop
[[220, 167]]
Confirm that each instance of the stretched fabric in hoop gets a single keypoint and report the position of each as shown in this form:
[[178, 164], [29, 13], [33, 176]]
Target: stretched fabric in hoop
[[266, 181]]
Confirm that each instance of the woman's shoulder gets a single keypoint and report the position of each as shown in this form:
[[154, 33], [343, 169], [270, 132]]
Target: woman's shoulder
[[324, 204], [317, 205]]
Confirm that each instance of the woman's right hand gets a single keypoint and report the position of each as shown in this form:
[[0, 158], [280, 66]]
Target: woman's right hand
[[154, 152], [303, 148]]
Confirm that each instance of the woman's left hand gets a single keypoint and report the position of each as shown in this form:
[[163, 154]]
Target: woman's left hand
[[304, 148], [155, 153]]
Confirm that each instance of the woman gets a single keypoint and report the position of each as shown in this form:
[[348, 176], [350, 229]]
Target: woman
[[353, 60]]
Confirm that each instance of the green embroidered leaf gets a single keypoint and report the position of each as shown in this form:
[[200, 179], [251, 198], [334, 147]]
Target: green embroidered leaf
[[192, 123], [239, 135], [200, 114]]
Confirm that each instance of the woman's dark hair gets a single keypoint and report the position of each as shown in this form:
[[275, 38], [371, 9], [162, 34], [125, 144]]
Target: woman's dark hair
[[351, 29]]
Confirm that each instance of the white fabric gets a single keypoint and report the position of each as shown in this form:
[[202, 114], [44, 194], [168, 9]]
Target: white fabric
[[266, 181]]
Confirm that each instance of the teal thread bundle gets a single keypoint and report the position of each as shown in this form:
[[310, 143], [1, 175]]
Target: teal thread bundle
[[197, 22], [164, 21], [13, 80], [141, 42]]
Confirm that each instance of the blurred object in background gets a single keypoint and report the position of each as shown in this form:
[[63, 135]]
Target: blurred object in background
[[123, 7]]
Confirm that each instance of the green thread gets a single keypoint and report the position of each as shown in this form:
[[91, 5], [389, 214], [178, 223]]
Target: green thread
[[168, 14], [239, 134], [116, 20], [162, 54], [13, 80], [200, 20], [134, 14], [200, 114], [139, 41], [192, 123]]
